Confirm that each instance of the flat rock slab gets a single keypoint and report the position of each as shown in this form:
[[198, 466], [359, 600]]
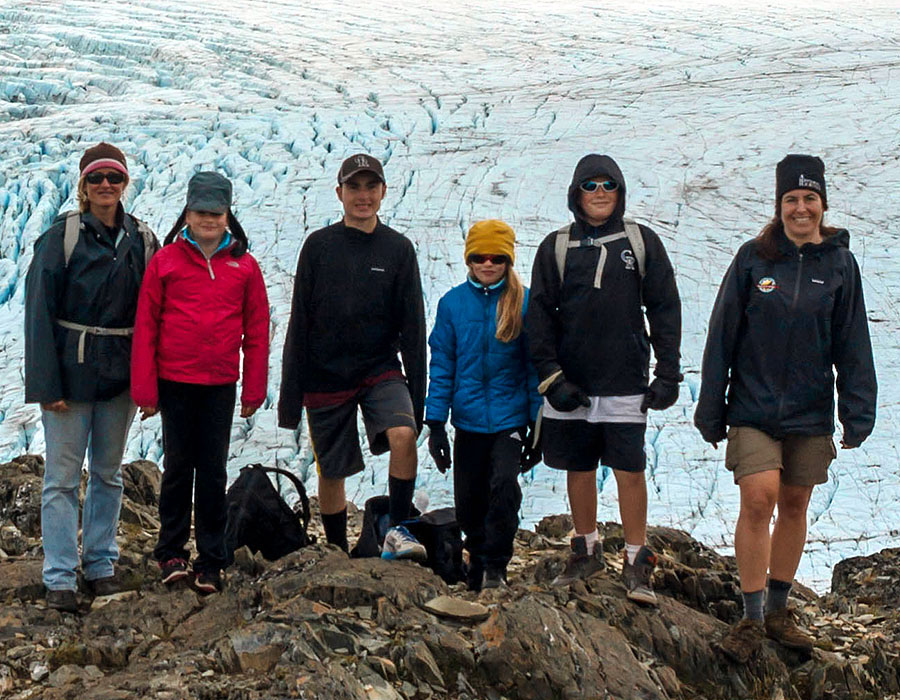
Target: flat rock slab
[[457, 609]]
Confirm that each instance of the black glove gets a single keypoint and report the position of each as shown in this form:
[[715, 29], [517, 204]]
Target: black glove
[[439, 446], [661, 394], [565, 396], [531, 453]]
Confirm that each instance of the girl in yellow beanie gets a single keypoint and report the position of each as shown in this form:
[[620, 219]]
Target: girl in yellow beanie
[[481, 378]]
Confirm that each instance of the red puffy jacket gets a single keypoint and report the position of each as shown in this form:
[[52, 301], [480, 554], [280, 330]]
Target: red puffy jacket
[[194, 317]]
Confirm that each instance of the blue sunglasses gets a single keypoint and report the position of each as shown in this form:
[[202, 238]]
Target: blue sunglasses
[[594, 185]]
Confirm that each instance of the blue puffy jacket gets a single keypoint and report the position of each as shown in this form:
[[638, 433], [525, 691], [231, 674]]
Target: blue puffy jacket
[[487, 385]]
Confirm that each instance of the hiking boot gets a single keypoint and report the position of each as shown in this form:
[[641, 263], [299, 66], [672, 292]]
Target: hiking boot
[[781, 626], [743, 640], [493, 578], [580, 564], [207, 582], [173, 570], [637, 577], [65, 601], [400, 544], [475, 575], [98, 587]]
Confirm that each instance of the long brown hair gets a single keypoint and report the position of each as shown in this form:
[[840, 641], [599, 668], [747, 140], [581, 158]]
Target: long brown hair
[[509, 307], [767, 240]]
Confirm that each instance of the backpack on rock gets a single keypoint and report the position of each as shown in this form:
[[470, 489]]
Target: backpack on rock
[[259, 517]]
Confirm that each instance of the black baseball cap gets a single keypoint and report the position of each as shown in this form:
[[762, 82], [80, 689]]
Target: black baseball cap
[[361, 162], [209, 191]]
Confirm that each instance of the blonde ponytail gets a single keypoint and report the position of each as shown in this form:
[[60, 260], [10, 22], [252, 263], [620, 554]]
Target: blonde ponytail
[[509, 307]]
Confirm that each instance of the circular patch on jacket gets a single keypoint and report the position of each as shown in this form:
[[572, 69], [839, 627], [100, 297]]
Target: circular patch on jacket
[[766, 285]]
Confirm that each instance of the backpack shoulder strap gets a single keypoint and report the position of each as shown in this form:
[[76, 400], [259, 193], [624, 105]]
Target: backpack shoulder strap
[[70, 237], [633, 232], [151, 244], [560, 249], [301, 490]]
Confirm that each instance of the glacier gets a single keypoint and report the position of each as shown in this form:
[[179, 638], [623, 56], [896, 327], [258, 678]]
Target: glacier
[[478, 110]]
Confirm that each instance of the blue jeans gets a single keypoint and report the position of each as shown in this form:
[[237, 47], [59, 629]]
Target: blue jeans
[[100, 427]]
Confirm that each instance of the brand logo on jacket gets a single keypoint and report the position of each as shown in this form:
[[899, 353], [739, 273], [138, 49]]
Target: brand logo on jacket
[[815, 281], [232, 263], [628, 258], [766, 285]]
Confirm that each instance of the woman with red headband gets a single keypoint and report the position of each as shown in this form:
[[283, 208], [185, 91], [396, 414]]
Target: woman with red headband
[[80, 302]]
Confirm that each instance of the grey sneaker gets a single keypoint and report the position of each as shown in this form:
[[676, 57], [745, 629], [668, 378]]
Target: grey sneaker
[[637, 577], [64, 601], [581, 564], [399, 543]]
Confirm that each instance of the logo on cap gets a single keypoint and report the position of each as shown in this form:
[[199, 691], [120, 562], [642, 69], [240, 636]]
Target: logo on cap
[[766, 285], [811, 184], [363, 162]]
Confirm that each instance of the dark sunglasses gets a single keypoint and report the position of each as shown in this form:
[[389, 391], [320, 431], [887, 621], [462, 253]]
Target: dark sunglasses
[[481, 259], [605, 185], [113, 178]]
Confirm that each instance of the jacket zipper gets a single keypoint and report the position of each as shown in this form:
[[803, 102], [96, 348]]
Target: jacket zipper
[[484, 358], [790, 329]]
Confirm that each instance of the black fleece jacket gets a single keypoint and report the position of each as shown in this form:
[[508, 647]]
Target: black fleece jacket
[[777, 330], [357, 302], [598, 337]]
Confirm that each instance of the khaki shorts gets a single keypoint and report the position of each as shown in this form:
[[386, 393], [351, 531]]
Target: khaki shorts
[[802, 459]]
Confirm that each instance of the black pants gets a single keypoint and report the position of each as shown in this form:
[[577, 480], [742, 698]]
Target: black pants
[[487, 493], [196, 424]]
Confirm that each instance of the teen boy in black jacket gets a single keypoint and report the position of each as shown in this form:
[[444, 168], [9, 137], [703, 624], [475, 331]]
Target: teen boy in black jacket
[[357, 301], [588, 341]]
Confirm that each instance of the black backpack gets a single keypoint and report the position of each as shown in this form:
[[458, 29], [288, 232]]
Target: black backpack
[[437, 530], [440, 533], [259, 517]]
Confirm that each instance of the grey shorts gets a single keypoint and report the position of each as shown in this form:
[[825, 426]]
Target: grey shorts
[[802, 459], [334, 435]]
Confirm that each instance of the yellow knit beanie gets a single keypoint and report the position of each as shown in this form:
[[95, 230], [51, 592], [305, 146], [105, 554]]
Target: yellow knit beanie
[[491, 237]]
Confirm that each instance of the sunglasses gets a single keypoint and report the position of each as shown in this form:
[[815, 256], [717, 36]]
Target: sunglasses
[[494, 259], [593, 185], [113, 178]]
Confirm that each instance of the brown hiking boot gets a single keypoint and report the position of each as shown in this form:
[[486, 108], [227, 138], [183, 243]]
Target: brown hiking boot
[[637, 577], [581, 564], [743, 640], [781, 626]]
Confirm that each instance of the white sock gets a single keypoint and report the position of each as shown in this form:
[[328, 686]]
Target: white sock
[[631, 551], [590, 540]]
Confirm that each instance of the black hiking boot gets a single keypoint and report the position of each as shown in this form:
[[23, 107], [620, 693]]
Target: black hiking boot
[[64, 601]]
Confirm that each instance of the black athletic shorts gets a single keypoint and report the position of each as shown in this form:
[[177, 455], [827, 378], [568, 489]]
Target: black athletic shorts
[[579, 446], [334, 435]]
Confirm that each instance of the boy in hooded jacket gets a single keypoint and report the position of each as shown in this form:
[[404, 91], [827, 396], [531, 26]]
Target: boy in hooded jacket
[[588, 339]]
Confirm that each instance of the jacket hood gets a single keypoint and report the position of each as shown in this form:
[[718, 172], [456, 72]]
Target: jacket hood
[[591, 166]]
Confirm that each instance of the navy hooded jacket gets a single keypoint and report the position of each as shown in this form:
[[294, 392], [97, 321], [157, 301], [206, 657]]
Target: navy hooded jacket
[[598, 337], [777, 330]]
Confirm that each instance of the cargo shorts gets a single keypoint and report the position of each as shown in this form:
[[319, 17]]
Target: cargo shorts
[[802, 459]]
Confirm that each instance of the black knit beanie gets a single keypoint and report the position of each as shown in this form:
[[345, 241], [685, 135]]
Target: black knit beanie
[[800, 172]]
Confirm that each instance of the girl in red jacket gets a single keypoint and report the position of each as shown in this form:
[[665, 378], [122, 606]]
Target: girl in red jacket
[[202, 302]]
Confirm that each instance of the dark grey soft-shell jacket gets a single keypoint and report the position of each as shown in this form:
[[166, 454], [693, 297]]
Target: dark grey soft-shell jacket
[[98, 288]]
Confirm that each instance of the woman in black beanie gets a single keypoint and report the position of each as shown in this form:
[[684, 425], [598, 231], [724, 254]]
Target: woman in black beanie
[[789, 312]]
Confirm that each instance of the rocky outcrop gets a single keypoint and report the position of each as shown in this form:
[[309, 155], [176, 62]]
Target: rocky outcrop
[[316, 624]]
